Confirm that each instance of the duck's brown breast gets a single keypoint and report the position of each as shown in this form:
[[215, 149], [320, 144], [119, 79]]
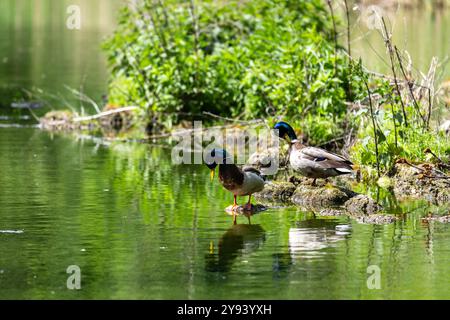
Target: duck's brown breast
[[230, 176]]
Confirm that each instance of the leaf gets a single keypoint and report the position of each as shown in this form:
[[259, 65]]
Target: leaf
[[380, 136]]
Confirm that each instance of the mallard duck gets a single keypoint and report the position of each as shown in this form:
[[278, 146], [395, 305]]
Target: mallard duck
[[240, 182], [312, 162]]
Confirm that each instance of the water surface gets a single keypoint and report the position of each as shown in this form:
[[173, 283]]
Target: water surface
[[140, 227], [39, 53]]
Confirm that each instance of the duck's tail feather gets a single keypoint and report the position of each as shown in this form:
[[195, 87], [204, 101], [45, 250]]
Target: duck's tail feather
[[344, 170]]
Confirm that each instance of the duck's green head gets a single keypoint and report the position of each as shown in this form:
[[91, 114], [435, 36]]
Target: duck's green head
[[285, 129], [214, 158]]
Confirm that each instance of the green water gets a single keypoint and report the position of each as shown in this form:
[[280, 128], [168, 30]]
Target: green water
[[40, 54], [140, 227], [420, 33]]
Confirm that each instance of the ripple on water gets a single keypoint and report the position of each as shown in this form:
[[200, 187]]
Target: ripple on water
[[11, 231]]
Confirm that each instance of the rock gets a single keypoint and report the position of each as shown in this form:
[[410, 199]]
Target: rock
[[276, 190], [315, 197], [377, 219], [422, 181], [57, 120], [331, 212], [242, 210], [360, 205]]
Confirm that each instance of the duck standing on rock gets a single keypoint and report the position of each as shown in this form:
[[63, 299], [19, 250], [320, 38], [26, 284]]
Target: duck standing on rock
[[240, 182], [312, 162]]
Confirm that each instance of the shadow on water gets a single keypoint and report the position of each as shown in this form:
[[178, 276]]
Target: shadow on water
[[239, 240]]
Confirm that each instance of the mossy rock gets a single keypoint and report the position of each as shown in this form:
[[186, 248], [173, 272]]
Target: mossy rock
[[360, 205], [421, 181], [276, 190], [327, 196], [256, 208], [331, 212], [58, 120]]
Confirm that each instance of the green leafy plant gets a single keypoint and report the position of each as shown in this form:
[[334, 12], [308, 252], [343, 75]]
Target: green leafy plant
[[244, 59]]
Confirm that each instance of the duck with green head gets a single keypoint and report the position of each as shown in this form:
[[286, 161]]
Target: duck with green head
[[240, 182], [312, 162]]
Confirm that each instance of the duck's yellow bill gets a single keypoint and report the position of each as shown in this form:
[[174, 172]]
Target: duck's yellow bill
[[211, 175]]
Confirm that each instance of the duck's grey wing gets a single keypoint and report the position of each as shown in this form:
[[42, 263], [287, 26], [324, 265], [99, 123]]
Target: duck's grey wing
[[320, 155], [326, 159], [253, 170]]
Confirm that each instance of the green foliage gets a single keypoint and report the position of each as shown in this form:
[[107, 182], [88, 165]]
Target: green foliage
[[258, 59], [317, 129], [411, 145], [395, 139], [234, 58]]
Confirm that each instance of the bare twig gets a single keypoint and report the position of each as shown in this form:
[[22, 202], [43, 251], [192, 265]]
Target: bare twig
[[395, 125], [104, 114], [255, 121], [409, 85], [428, 150], [372, 116], [391, 57], [430, 104], [348, 28]]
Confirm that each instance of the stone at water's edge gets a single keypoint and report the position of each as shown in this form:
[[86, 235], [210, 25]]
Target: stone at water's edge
[[57, 120], [330, 212], [315, 197], [276, 191], [421, 181], [327, 200], [241, 210], [361, 205]]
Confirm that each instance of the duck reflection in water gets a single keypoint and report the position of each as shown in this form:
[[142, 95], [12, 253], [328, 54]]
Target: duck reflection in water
[[310, 237], [239, 240]]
